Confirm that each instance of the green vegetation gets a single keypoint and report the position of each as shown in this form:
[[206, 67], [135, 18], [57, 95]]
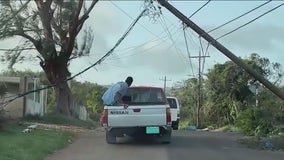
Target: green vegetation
[[259, 143], [184, 124], [227, 100], [89, 94], [35, 145]]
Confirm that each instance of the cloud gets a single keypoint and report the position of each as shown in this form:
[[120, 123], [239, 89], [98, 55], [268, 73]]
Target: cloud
[[159, 58], [253, 36], [104, 20]]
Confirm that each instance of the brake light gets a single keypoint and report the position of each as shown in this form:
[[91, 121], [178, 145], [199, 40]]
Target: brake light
[[104, 120], [169, 118]]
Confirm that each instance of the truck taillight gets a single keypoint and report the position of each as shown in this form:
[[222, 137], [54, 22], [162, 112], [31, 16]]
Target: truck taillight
[[104, 120], [169, 118]]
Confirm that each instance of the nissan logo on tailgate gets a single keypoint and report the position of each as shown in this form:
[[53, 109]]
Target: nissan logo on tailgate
[[119, 112]]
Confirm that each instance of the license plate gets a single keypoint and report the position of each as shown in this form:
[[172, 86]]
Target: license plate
[[152, 130]]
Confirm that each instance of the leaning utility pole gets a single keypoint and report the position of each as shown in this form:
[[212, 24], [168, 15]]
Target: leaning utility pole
[[222, 49]]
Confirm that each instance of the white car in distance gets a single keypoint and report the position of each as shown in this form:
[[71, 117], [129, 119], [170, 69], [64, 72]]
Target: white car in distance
[[175, 111]]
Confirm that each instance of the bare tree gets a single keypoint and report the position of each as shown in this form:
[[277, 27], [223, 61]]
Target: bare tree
[[51, 28]]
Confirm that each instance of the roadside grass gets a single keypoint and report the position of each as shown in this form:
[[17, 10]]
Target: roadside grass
[[253, 142], [39, 143], [53, 118], [259, 142], [184, 124], [35, 145], [227, 128]]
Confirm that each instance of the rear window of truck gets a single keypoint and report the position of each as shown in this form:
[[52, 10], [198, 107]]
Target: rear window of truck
[[145, 96]]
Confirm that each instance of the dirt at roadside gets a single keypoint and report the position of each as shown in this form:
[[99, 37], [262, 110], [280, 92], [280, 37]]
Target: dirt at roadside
[[73, 129]]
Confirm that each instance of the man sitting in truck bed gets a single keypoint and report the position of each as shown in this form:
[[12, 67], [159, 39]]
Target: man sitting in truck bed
[[115, 93]]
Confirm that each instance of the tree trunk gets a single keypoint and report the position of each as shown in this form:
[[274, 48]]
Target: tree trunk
[[63, 98], [57, 72]]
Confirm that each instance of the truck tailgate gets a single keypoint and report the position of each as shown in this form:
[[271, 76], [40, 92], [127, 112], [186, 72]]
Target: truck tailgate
[[150, 115]]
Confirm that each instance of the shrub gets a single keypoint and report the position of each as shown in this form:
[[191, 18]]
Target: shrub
[[255, 122], [95, 116]]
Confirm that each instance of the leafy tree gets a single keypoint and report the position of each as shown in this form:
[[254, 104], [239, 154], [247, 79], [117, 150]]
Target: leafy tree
[[51, 27], [227, 86], [94, 99], [227, 99], [272, 104], [88, 94], [187, 93]]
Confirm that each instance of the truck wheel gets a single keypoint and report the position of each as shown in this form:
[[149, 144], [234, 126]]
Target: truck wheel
[[175, 127], [110, 139], [166, 139]]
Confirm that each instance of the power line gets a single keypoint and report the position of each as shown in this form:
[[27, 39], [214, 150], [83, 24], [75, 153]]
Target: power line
[[141, 45], [132, 18], [239, 16], [250, 21], [172, 40], [199, 9], [116, 45], [96, 63], [4, 49], [184, 32], [187, 49]]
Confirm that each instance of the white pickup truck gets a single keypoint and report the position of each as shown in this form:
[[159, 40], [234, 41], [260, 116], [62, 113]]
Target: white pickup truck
[[175, 111], [148, 114]]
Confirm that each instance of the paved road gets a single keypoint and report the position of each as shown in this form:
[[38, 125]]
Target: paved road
[[186, 145]]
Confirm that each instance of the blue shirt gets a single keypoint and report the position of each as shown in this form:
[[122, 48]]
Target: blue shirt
[[109, 96]]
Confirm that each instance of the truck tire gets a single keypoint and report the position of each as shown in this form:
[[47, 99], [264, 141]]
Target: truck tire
[[166, 139], [110, 139], [175, 127]]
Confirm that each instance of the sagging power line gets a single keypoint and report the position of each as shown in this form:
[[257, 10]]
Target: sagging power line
[[221, 48], [234, 19], [199, 9], [250, 21], [86, 69]]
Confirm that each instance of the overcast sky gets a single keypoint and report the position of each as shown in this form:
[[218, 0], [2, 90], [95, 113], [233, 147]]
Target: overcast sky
[[156, 48]]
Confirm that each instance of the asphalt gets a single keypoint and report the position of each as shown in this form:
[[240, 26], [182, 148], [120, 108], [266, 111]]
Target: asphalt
[[185, 145]]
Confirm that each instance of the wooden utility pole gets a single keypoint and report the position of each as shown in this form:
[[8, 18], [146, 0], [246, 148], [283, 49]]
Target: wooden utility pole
[[165, 82], [200, 93], [222, 49]]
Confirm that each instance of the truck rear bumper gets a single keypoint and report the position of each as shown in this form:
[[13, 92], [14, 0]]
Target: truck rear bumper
[[137, 131]]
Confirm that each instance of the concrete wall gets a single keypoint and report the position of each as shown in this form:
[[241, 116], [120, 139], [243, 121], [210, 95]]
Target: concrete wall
[[14, 109], [36, 106], [14, 86], [79, 111], [32, 104]]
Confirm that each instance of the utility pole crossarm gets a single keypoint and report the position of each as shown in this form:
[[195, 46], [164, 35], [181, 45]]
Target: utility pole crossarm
[[221, 48]]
